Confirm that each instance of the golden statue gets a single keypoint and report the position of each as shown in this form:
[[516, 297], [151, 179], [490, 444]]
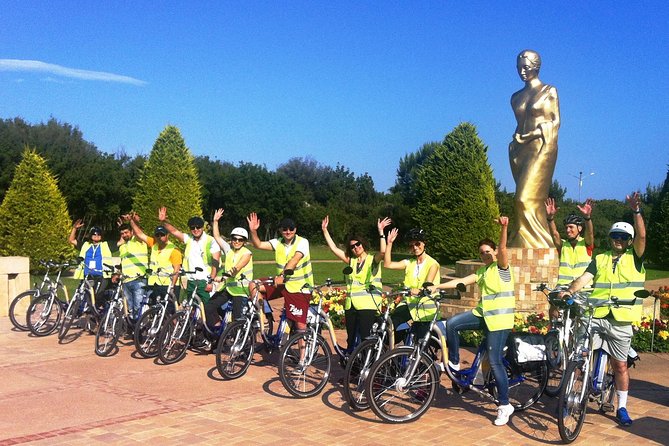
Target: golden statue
[[533, 152]]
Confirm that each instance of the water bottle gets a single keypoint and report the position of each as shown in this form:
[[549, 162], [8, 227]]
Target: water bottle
[[600, 369]]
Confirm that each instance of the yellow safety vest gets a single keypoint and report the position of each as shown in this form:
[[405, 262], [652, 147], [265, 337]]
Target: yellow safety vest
[[160, 259], [302, 273], [498, 303], [358, 283], [421, 309], [573, 261], [134, 258], [622, 284], [234, 284], [104, 257]]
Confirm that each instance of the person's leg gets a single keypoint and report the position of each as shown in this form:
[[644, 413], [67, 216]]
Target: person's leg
[[457, 323], [134, 295], [211, 308], [399, 317], [351, 316], [366, 319], [496, 341], [238, 303]]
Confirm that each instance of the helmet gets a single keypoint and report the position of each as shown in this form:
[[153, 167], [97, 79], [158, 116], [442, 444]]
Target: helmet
[[416, 234], [160, 230], [623, 227], [95, 230], [240, 232], [573, 219], [196, 221]]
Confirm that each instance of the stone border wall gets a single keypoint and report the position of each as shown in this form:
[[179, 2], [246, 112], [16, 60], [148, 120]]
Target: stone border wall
[[14, 279]]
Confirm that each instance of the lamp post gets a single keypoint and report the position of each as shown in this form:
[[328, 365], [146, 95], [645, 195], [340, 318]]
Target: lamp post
[[580, 182]]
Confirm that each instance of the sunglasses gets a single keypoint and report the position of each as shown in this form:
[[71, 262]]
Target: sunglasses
[[237, 239], [355, 245], [194, 227], [414, 244], [292, 228], [620, 236], [160, 234]]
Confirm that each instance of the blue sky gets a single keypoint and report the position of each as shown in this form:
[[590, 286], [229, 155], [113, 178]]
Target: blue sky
[[355, 83]]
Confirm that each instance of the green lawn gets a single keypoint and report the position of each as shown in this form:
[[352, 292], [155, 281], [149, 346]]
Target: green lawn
[[652, 274]]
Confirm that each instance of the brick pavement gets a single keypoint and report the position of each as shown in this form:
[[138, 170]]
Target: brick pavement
[[65, 394]]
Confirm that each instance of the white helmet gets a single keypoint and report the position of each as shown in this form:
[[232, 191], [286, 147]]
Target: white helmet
[[240, 232], [623, 227]]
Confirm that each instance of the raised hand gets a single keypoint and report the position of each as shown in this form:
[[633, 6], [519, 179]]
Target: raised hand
[[162, 213], [586, 209], [551, 209], [253, 221], [392, 235], [79, 223], [218, 214], [381, 224], [324, 223], [634, 201], [502, 220]]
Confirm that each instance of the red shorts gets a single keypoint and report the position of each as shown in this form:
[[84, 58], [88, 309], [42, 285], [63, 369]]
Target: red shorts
[[296, 304]]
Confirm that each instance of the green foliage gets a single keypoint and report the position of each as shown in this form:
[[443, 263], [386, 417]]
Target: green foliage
[[407, 172], [658, 227], [557, 191], [505, 201], [33, 216], [168, 178], [455, 193]]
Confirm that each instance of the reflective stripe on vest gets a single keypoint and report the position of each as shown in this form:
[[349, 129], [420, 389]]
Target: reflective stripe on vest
[[622, 284], [302, 272], [421, 309], [160, 259], [100, 254], [235, 285], [358, 283], [134, 258], [498, 302], [573, 261]]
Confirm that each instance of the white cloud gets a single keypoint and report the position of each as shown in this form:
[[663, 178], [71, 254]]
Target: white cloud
[[43, 67]]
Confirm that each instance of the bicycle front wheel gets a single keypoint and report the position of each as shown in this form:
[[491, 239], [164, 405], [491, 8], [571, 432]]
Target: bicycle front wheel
[[43, 315], [235, 350], [557, 362], [357, 370], [147, 332], [69, 316], [573, 402], [175, 337], [305, 364], [108, 332], [19, 307], [394, 393]]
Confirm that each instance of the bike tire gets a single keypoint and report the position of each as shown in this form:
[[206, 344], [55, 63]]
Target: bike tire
[[235, 349], [557, 363], [394, 399], [147, 332], [175, 337], [19, 307], [44, 315], [573, 402], [69, 316], [525, 386], [309, 378], [109, 329], [357, 370]]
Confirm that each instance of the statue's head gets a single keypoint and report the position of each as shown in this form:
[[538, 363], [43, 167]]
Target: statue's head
[[529, 64]]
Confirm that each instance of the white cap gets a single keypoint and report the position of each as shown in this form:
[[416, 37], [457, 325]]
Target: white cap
[[240, 232], [623, 227]]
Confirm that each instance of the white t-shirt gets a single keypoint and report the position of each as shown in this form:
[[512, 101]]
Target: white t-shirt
[[302, 245], [196, 256]]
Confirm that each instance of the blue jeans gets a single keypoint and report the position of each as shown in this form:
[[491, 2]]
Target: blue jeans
[[134, 291], [496, 340]]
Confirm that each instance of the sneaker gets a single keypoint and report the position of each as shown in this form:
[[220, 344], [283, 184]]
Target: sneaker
[[503, 414], [623, 418]]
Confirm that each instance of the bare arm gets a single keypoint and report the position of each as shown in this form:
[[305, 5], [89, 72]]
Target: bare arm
[[73, 233], [381, 226], [338, 252], [241, 263], [254, 224], [634, 202], [467, 280], [579, 283], [502, 254], [387, 256], [134, 219], [586, 210], [551, 210], [216, 233], [162, 217]]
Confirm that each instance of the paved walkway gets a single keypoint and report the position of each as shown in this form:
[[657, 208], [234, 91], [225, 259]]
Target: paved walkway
[[53, 393]]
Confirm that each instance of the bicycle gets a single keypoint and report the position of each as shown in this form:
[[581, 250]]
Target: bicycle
[[306, 359], [189, 322], [150, 324], [588, 376], [20, 304], [46, 311], [403, 383], [115, 319]]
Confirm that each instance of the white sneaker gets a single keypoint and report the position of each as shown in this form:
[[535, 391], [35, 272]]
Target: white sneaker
[[503, 414]]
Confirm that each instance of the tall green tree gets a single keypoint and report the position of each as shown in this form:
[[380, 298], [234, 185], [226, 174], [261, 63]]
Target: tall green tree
[[33, 216], [407, 172], [455, 192], [168, 178], [658, 227]]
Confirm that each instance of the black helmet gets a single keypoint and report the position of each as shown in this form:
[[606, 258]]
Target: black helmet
[[95, 230], [416, 234], [196, 221], [573, 219]]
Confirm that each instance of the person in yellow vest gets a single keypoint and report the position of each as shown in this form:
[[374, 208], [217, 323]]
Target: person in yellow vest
[[419, 269], [94, 253], [618, 272], [238, 266], [134, 261], [362, 304], [201, 251], [494, 314], [165, 256], [291, 252]]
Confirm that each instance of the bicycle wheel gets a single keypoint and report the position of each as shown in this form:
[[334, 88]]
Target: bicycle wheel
[[175, 337], [43, 315], [557, 362], [573, 402], [605, 401], [109, 330], [396, 397], [147, 332], [69, 316], [525, 387], [357, 370], [305, 364], [235, 350], [19, 307]]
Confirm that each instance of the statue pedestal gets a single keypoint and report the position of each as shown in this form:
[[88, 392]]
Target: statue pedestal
[[530, 267], [14, 279]]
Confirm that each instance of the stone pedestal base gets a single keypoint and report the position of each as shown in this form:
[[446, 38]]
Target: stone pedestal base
[[530, 267], [14, 279]]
